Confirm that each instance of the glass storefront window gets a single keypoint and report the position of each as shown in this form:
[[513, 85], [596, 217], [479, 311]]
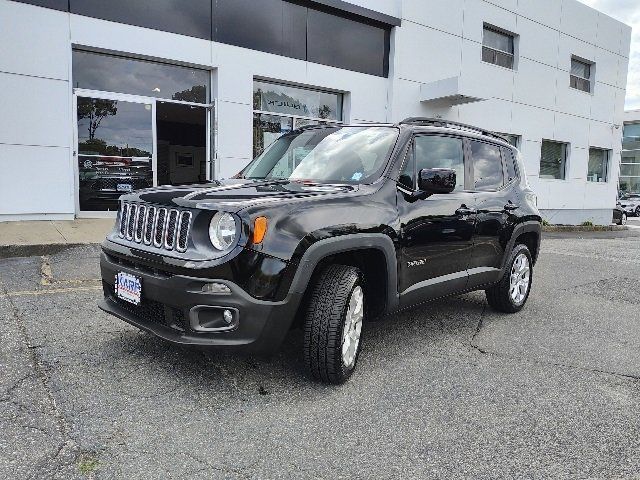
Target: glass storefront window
[[301, 102], [279, 109], [630, 161], [139, 77]]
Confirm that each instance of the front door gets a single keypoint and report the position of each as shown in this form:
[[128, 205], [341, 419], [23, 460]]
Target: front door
[[436, 232], [115, 149]]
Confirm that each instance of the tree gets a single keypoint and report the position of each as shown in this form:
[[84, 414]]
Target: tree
[[95, 109]]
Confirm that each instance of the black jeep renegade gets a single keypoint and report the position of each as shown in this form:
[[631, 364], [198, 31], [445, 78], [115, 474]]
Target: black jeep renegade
[[330, 227]]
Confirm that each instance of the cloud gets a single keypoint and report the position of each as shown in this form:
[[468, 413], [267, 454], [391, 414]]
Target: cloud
[[627, 11]]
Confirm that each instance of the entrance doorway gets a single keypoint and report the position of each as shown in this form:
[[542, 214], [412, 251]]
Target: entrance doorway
[[126, 143], [138, 124]]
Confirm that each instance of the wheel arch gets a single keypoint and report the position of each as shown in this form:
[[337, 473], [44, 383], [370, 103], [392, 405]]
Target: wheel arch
[[368, 252], [528, 233]]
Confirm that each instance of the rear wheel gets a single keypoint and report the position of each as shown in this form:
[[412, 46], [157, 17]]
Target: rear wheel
[[333, 324], [511, 293], [623, 219]]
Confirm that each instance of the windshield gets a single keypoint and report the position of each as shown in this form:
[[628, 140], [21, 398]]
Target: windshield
[[326, 155]]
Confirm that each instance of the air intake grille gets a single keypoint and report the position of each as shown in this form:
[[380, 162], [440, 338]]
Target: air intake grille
[[160, 227]]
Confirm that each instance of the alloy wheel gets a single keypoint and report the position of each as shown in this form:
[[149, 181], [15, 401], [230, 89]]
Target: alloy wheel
[[520, 279], [352, 327]]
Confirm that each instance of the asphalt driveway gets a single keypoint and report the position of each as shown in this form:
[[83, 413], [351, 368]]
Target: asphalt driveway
[[448, 390]]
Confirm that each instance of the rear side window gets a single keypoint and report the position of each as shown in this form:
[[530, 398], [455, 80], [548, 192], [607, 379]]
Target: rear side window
[[510, 165], [432, 151], [487, 166]]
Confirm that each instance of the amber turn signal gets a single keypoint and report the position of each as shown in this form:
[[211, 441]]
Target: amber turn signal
[[259, 230]]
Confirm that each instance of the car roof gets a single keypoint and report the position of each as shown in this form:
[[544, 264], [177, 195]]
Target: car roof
[[425, 124]]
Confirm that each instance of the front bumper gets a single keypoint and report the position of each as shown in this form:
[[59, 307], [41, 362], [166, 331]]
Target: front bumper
[[170, 303]]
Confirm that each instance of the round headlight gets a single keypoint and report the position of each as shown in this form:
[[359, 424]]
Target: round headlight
[[222, 230]]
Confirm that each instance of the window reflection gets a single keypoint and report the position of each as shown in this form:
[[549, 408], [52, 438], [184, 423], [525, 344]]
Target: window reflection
[[109, 73], [487, 166], [440, 152]]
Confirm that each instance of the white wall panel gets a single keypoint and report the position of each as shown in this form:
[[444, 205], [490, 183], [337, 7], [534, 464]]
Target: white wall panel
[[579, 21], [535, 84], [35, 40], [91, 32], [604, 102], [445, 15], [603, 135], [572, 101], [426, 55], [609, 33], [571, 129], [538, 42], [227, 167], [577, 165], [35, 111], [535, 123], [44, 171], [569, 47], [494, 115], [235, 130], [607, 67], [489, 80], [546, 12], [531, 154]]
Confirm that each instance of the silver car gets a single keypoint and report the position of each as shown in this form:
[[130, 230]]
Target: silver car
[[631, 203]]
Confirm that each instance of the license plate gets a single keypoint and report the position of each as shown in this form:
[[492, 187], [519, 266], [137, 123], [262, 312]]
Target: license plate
[[124, 187], [128, 288]]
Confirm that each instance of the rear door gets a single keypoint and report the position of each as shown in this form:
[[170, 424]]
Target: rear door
[[494, 184], [436, 232]]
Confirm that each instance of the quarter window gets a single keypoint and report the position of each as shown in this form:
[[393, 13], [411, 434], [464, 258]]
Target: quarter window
[[498, 47], [487, 166], [430, 151], [553, 160], [580, 77], [598, 165], [510, 165]]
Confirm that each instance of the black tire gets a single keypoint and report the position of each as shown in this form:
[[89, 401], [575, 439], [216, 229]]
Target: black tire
[[623, 219], [637, 211], [325, 321], [498, 296]]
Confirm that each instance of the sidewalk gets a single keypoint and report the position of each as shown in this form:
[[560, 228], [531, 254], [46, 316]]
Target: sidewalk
[[40, 237]]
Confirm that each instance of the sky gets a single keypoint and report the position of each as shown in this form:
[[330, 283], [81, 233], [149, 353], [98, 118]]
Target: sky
[[627, 11]]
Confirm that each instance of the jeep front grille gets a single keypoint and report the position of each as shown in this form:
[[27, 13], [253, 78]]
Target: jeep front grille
[[163, 228]]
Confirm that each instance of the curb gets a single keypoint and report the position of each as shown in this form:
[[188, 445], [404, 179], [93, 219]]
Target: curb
[[578, 228], [9, 251]]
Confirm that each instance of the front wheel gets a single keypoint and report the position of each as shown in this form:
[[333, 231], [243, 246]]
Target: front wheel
[[333, 324], [511, 293], [623, 219]]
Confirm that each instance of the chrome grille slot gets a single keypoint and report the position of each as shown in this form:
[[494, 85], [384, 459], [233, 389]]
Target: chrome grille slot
[[184, 225], [158, 231], [123, 220], [170, 234], [159, 227], [142, 211], [149, 220], [131, 219]]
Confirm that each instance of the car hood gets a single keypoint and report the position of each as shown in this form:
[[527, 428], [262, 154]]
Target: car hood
[[235, 194]]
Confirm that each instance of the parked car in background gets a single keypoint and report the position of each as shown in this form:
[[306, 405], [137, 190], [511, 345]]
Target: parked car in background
[[619, 215], [630, 203]]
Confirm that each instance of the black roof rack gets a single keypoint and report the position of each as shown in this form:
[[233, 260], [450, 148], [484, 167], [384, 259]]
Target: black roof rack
[[439, 122]]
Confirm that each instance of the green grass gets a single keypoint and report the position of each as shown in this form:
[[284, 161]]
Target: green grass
[[588, 223], [88, 465]]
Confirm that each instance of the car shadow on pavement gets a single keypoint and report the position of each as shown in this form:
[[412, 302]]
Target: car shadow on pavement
[[440, 327]]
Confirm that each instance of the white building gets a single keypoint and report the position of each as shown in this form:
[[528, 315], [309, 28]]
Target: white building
[[101, 96]]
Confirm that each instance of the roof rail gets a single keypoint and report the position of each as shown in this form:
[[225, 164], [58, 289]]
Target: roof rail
[[439, 122]]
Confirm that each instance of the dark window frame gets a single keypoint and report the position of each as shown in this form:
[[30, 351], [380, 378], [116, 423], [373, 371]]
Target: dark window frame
[[577, 82]]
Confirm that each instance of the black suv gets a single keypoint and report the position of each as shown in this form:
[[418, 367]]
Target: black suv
[[330, 227]]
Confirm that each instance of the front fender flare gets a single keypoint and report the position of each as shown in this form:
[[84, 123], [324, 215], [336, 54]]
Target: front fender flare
[[347, 243]]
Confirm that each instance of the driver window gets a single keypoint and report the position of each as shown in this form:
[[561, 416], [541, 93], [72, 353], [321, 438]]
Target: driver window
[[440, 152]]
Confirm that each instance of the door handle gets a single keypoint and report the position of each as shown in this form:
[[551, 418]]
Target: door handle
[[464, 211], [509, 207]]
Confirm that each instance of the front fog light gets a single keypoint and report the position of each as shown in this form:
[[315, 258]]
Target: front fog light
[[215, 288], [222, 230], [227, 315]]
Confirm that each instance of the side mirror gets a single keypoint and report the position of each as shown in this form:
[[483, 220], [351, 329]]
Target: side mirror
[[437, 180]]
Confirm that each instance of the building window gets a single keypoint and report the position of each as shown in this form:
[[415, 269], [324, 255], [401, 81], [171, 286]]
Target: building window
[[630, 161], [553, 161], [279, 109], [598, 165], [580, 77], [498, 47], [513, 140]]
